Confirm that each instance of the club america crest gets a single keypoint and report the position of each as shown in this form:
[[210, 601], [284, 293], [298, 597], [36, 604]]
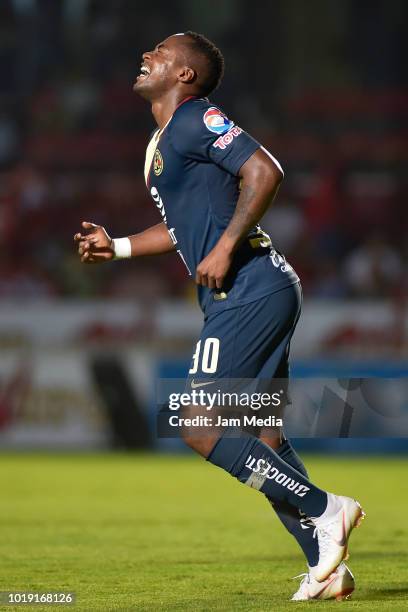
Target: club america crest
[[157, 163]]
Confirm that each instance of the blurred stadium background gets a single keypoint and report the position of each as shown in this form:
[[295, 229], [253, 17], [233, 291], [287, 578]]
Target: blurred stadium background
[[321, 84]]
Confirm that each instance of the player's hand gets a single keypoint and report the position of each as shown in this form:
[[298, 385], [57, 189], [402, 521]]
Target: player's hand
[[212, 271], [95, 245]]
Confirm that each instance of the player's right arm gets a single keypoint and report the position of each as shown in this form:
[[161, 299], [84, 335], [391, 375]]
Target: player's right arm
[[96, 246]]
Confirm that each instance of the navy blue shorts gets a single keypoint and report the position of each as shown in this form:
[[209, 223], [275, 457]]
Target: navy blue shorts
[[250, 341]]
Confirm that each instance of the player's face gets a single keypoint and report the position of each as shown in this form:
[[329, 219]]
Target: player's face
[[160, 68]]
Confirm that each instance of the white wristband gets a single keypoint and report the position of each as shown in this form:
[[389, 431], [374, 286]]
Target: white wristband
[[122, 248]]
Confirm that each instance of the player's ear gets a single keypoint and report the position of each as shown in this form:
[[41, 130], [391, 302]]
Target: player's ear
[[187, 75]]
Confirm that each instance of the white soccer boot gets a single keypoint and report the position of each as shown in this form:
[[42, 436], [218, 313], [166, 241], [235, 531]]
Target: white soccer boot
[[339, 585], [333, 531]]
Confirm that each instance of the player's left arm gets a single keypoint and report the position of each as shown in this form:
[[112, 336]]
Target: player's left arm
[[260, 177]]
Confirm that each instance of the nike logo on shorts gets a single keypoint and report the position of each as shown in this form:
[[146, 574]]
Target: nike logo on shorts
[[195, 385]]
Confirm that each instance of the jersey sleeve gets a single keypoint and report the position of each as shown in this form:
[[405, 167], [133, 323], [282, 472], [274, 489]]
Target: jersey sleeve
[[204, 133]]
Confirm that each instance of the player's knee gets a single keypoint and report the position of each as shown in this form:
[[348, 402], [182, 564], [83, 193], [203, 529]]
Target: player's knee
[[195, 432], [202, 445], [191, 442]]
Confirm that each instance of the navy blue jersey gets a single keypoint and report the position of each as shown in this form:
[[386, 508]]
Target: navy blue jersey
[[191, 171]]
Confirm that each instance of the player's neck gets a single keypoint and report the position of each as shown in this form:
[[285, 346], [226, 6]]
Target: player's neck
[[163, 108]]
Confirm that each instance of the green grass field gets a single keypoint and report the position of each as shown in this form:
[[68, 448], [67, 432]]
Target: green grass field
[[142, 532]]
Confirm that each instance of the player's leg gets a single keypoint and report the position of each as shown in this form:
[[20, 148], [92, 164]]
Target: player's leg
[[249, 459], [286, 309], [276, 366], [340, 584], [258, 466], [261, 350], [255, 464], [298, 524]]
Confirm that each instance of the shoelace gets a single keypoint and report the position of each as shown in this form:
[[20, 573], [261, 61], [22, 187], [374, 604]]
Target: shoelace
[[323, 539], [304, 576], [302, 586]]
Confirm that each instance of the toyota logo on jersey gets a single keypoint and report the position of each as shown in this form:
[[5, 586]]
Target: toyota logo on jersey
[[216, 121]]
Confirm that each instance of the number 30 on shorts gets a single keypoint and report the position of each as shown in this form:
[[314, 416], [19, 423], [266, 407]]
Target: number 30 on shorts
[[208, 356]]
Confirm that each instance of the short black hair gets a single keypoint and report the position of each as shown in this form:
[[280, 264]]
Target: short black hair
[[213, 58]]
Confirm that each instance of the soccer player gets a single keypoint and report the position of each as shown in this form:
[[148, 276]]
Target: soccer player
[[212, 183]]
